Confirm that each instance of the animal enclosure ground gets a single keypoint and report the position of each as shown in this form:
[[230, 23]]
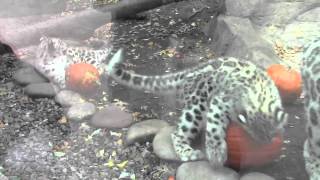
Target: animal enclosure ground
[[159, 44]]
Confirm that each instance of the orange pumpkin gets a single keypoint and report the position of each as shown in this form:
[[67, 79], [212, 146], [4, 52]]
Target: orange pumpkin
[[244, 152], [288, 82], [171, 178], [82, 77]]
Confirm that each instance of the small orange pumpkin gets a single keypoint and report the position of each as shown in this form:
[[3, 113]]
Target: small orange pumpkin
[[244, 152], [171, 178], [82, 77], [288, 82]]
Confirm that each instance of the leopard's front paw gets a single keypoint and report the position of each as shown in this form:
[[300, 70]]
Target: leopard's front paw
[[218, 155], [184, 151], [192, 155]]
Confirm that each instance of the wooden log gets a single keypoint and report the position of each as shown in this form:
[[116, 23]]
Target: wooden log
[[128, 8], [79, 25], [76, 26]]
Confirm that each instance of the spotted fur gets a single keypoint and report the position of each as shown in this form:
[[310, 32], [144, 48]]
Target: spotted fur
[[213, 94], [311, 85], [55, 55]]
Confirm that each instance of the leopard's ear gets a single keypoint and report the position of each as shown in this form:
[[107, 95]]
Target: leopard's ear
[[43, 38], [280, 115], [284, 120]]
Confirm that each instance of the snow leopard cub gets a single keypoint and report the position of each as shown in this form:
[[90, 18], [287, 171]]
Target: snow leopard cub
[[55, 55], [310, 71], [213, 94]]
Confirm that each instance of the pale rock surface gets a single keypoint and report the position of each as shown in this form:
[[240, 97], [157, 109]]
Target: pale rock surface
[[145, 130], [202, 170]]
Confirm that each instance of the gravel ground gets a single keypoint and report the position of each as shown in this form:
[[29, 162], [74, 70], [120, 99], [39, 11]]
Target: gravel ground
[[33, 140]]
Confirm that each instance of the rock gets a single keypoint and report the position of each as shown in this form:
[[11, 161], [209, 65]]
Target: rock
[[162, 145], [236, 37], [311, 16], [30, 7], [190, 9], [216, 6], [10, 85], [264, 12], [79, 112], [255, 176], [4, 178], [244, 8], [296, 34], [144, 131], [25, 64], [163, 148], [68, 98], [43, 177], [280, 13], [28, 75], [4, 48], [111, 117], [202, 170], [40, 90]]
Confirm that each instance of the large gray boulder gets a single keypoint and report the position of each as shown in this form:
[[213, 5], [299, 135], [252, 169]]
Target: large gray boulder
[[237, 37]]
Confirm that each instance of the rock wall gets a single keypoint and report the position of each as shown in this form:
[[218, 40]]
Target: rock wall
[[251, 28]]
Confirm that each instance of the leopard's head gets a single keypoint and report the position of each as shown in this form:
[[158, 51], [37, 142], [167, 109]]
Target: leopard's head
[[50, 47], [263, 124], [261, 127]]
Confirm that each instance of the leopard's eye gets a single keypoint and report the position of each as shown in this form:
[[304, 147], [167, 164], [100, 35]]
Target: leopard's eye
[[242, 119]]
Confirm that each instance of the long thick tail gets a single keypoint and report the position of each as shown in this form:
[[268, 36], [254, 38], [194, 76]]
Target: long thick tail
[[162, 83]]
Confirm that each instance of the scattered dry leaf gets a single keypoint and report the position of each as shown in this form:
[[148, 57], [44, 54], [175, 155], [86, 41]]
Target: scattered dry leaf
[[63, 120], [59, 153], [210, 55], [122, 105], [110, 163], [290, 55], [84, 126], [112, 133], [89, 137], [136, 115], [150, 44], [2, 124], [100, 153], [283, 51], [119, 142], [64, 146], [114, 153], [100, 107], [123, 164], [168, 52], [105, 99]]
